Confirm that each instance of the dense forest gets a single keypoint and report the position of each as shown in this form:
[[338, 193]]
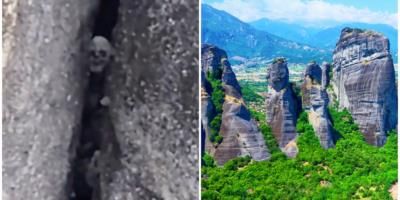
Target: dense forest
[[352, 169]]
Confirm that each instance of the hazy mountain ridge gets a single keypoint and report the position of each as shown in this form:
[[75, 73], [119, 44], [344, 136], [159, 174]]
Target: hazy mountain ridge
[[286, 30], [324, 38], [241, 39], [271, 38]]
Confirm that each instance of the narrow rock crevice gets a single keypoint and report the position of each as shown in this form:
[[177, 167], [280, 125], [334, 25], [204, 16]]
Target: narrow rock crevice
[[107, 18], [94, 149]]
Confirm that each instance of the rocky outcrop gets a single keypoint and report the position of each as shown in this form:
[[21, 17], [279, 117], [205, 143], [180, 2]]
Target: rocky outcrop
[[393, 190], [325, 79], [282, 107], [315, 102], [239, 131], [364, 81], [207, 112], [154, 101], [45, 44]]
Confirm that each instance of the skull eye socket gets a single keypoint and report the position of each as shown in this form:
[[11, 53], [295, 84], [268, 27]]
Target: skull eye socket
[[102, 53], [93, 54]]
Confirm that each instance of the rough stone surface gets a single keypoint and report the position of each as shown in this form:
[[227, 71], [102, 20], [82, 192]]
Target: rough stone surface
[[211, 57], [315, 102], [43, 81], [282, 107], [240, 133], [153, 88], [314, 71], [325, 80], [364, 81], [393, 191], [207, 112]]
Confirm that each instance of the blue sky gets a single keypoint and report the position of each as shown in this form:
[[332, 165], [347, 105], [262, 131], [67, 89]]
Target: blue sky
[[374, 5], [312, 12]]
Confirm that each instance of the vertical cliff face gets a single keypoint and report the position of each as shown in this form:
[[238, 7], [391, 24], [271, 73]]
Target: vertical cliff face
[[207, 111], [153, 94], [325, 78], [364, 81], [315, 101], [45, 44], [211, 63], [240, 133], [282, 107]]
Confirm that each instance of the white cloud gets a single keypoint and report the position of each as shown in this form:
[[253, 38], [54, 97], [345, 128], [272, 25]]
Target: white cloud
[[312, 12]]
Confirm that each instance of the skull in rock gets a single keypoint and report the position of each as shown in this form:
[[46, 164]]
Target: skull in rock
[[101, 53]]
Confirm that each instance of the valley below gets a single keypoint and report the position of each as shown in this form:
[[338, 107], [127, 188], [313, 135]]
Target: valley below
[[251, 76]]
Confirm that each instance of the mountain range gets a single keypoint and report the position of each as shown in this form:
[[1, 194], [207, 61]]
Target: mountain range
[[271, 38], [241, 39], [321, 37]]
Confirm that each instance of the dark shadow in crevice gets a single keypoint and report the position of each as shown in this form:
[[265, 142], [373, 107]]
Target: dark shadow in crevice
[[107, 18], [83, 180]]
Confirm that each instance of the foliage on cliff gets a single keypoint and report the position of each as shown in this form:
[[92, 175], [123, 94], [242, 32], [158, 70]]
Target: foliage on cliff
[[266, 131], [217, 98]]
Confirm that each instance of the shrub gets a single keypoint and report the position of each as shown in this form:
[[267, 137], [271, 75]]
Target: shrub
[[217, 98], [216, 122], [208, 161], [236, 163], [218, 139], [258, 116]]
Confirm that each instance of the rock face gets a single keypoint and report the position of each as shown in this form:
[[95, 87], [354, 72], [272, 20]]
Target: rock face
[[151, 110], [207, 112], [364, 81], [239, 131], [325, 79], [282, 107], [153, 88], [315, 102], [44, 80]]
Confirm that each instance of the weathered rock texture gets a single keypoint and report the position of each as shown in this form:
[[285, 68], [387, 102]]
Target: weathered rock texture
[[153, 87], [364, 81], [315, 102], [282, 107], [43, 81], [239, 131], [207, 111], [151, 147], [325, 79]]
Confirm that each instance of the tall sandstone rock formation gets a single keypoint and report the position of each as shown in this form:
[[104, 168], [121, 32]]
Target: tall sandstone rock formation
[[282, 107], [364, 81], [315, 102], [207, 112], [239, 131]]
